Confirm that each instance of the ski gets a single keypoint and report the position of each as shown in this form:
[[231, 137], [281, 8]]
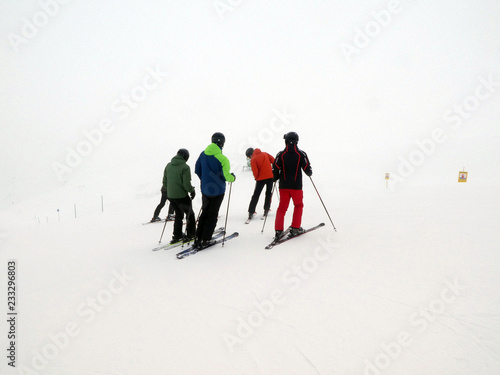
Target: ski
[[286, 237], [153, 222], [192, 250], [275, 242], [250, 218], [217, 233], [157, 221]]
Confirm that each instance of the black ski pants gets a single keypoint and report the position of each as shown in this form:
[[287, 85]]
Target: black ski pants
[[259, 185], [162, 204], [183, 207], [208, 218]]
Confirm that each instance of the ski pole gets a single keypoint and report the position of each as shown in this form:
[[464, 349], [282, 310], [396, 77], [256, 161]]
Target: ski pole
[[163, 230], [323, 203], [265, 219], [227, 213]]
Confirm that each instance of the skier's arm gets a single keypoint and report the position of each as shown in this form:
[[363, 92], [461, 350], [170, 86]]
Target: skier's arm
[[255, 168], [226, 167], [306, 166], [197, 167], [276, 168], [186, 180]]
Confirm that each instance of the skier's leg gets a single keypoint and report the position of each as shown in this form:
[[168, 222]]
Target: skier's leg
[[161, 205], [211, 219], [279, 223], [269, 194], [297, 197], [179, 215], [187, 209], [255, 197], [205, 202]]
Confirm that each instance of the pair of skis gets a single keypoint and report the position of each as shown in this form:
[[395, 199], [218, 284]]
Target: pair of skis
[[215, 240], [156, 221], [263, 217], [286, 236], [217, 233], [191, 250]]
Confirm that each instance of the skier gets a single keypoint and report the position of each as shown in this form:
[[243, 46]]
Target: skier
[[163, 200], [177, 178], [213, 169], [261, 163], [287, 168]]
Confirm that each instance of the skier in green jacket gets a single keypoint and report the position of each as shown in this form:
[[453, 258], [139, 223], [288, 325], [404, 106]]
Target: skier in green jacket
[[177, 181]]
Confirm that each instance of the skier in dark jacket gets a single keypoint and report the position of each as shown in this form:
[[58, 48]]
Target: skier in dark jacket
[[177, 179], [213, 169], [163, 200], [287, 168]]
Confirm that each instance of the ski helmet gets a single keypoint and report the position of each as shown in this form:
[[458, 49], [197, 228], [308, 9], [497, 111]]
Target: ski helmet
[[249, 152], [291, 137], [183, 153], [219, 139]]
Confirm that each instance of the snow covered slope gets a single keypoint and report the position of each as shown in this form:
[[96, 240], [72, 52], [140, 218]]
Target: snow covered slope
[[96, 99], [408, 284]]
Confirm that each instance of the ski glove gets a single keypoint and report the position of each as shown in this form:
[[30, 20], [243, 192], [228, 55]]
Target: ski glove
[[234, 176], [192, 195]]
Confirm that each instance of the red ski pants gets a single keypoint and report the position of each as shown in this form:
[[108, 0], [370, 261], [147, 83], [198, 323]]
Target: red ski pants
[[285, 196]]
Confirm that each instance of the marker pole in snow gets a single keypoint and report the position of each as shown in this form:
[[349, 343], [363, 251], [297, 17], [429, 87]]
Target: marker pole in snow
[[323, 203], [227, 212]]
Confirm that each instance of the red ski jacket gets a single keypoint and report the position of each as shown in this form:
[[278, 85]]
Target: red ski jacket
[[261, 165]]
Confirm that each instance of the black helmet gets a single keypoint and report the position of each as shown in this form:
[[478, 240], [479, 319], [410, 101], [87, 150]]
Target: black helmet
[[291, 137], [249, 152], [183, 153], [219, 139]]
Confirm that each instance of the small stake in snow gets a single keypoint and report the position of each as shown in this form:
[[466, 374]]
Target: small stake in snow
[[323, 204]]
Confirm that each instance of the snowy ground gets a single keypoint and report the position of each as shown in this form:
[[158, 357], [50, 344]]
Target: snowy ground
[[408, 285], [97, 97]]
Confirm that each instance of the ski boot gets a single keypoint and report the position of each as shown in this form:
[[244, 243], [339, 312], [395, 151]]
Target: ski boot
[[296, 231]]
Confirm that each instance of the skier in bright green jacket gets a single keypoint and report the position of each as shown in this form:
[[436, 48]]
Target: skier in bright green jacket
[[213, 169]]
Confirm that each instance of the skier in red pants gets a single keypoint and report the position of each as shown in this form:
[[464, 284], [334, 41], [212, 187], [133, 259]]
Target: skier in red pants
[[287, 168]]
